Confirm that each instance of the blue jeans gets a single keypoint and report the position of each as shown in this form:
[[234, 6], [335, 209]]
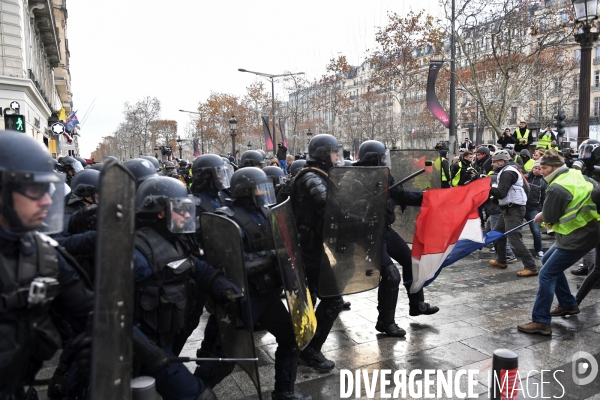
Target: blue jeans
[[283, 166], [552, 280], [535, 229]]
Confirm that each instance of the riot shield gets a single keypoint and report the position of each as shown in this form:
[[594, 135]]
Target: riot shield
[[285, 238], [114, 285], [223, 249], [404, 163], [353, 227]]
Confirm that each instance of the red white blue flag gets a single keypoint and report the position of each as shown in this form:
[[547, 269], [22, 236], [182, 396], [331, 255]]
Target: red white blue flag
[[448, 229], [71, 122]]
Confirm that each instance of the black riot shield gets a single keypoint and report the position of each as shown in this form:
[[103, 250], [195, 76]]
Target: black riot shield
[[114, 285], [293, 275], [404, 163], [353, 227], [223, 249]]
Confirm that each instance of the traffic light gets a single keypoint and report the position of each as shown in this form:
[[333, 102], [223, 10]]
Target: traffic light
[[560, 123], [14, 122]]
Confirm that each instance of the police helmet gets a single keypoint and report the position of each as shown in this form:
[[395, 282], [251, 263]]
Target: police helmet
[[86, 183], [27, 171], [372, 152], [161, 193], [321, 147], [96, 166], [108, 158], [183, 163], [253, 183], [297, 166], [252, 158], [154, 162], [81, 161], [589, 149], [210, 167], [231, 167], [70, 163], [275, 174], [483, 150], [140, 168], [501, 155]]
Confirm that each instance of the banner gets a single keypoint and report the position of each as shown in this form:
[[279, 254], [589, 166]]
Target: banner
[[282, 130], [433, 104], [195, 143], [268, 137]]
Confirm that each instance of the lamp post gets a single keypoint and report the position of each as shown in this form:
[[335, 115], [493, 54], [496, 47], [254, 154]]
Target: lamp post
[[201, 133], [179, 141], [271, 77], [249, 145], [233, 127], [585, 11], [309, 136]]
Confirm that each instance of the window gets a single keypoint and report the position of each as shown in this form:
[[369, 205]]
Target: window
[[575, 108], [576, 82], [596, 106], [513, 115], [578, 55], [557, 86], [597, 78], [538, 111]]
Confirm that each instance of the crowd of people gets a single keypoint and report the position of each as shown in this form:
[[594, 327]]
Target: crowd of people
[[175, 283]]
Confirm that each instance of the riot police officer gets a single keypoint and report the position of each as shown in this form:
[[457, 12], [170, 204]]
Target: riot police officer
[[38, 279], [252, 158], [142, 169], [169, 278], [277, 176], [154, 162], [184, 171], [308, 198], [70, 166], [251, 191], [373, 153]]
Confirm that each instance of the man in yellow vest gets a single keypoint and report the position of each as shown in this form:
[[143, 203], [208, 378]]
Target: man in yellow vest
[[546, 138], [441, 164], [523, 136], [570, 211]]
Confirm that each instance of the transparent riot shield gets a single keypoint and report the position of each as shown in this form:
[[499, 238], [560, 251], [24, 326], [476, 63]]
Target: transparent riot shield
[[113, 308], [404, 163], [223, 248], [285, 238], [353, 227]]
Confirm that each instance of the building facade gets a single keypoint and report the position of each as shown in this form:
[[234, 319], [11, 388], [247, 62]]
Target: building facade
[[34, 65]]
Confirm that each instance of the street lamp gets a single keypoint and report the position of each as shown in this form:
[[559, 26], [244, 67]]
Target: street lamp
[[179, 141], [585, 11], [201, 133], [233, 127], [271, 77], [249, 145]]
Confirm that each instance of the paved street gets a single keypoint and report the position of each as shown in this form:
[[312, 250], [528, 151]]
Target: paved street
[[480, 309]]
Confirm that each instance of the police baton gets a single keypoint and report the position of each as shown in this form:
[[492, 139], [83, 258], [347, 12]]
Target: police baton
[[190, 359], [517, 227], [413, 175]]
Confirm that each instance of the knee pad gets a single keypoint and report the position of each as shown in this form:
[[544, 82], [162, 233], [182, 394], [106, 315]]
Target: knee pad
[[390, 275]]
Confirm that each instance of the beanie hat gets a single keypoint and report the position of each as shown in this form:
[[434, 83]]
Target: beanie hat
[[536, 164], [552, 158]]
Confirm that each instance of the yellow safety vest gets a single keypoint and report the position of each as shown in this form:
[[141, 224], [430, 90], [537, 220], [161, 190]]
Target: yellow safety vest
[[456, 178], [438, 165], [518, 134], [528, 165], [545, 141], [581, 209]]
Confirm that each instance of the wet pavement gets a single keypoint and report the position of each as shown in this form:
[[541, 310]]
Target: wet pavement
[[480, 307]]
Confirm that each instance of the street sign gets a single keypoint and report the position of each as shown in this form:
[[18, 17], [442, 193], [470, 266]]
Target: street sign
[[14, 122], [57, 128]]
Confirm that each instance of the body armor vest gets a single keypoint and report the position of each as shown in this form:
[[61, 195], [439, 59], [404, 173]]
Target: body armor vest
[[309, 223], [165, 299], [261, 265], [27, 329]]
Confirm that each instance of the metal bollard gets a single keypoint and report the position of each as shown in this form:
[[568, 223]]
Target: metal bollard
[[505, 375], [143, 388]]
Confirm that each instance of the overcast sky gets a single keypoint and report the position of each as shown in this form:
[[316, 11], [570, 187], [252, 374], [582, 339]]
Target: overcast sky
[[181, 50]]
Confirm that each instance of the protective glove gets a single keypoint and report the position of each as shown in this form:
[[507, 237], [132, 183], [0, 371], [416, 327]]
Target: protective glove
[[83, 219], [229, 301], [152, 358]]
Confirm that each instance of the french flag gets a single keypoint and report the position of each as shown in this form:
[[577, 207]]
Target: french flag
[[448, 229]]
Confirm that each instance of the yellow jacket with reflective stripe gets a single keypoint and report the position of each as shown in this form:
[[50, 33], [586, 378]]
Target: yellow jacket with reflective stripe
[[581, 209]]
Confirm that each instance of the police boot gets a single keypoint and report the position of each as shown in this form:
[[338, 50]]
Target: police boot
[[418, 305], [208, 394], [313, 358], [285, 391], [387, 296]]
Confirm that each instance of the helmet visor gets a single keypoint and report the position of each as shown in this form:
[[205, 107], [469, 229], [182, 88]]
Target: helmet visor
[[221, 177], [337, 156], [34, 201], [264, 194], [77, 167], [585, 150], [181, 217]]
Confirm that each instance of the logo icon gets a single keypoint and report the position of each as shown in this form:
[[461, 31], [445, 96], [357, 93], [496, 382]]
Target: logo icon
[[584, 368]]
